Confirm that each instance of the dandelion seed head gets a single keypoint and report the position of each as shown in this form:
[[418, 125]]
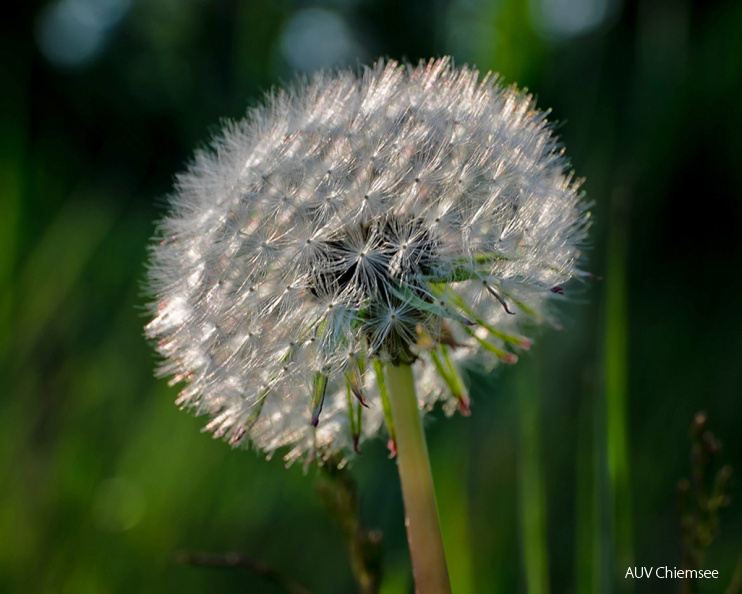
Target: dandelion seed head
[[402, 215]]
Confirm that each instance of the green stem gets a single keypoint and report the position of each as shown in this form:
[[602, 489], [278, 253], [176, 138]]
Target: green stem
[[339, 492], [423, 530], [531, 488], [617, 390]]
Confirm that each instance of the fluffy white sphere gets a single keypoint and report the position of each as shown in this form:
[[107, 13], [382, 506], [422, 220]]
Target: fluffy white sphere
[[399, 217]]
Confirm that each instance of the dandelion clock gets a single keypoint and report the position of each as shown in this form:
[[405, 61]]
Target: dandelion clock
[[328, 262]]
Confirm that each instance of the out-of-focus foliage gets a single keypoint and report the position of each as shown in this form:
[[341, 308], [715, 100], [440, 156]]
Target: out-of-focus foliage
[[566, 471]]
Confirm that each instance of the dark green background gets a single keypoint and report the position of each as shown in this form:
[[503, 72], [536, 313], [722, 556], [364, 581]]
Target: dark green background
[[543, 488]]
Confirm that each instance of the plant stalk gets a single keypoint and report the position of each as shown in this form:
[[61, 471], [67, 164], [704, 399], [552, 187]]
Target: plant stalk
[[421, 516]]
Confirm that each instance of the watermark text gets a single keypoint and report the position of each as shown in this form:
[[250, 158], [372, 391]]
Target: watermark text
[[667, 573]]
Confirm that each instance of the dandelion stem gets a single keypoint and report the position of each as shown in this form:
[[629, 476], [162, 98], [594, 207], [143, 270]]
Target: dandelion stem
[[423, 529]]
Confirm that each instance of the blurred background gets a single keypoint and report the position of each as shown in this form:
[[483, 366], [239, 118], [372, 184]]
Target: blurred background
[[567, 471]]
